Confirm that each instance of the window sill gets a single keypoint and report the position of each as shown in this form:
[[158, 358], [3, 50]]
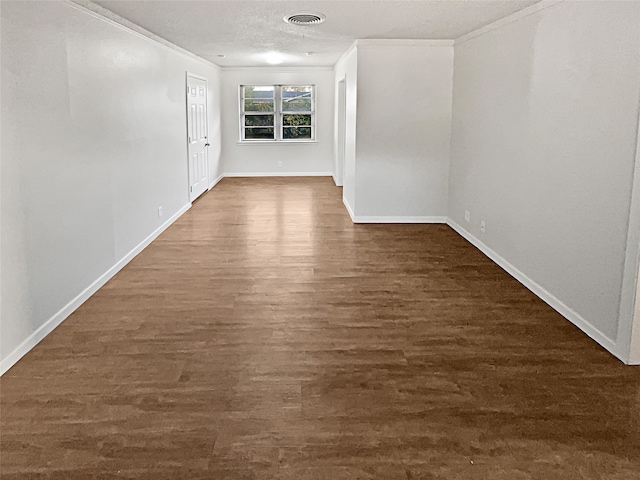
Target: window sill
[[279, 142]]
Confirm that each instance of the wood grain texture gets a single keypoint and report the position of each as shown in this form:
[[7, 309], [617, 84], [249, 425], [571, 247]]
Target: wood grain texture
[[264, 336]]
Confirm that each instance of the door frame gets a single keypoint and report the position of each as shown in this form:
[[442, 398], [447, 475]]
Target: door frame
[[186, 136], [341, 130]]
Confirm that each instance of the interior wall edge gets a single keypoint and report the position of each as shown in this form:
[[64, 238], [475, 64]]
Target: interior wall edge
[[629, 322], [56, 319], [348, 51], [634, 344], [349, 209], [558, 305]]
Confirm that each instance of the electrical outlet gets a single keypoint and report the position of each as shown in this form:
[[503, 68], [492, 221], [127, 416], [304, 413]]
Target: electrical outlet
[[280, 163], [483, 226], [467, 216], [159, 212]]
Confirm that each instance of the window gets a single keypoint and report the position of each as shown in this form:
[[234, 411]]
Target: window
[[278, 113]]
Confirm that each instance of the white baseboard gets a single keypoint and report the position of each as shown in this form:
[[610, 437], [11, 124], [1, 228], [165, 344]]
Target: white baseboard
[[349, 209], [279, 174], [399, 219], [215, 182], [555, 303], [395, 219], [46, 328]]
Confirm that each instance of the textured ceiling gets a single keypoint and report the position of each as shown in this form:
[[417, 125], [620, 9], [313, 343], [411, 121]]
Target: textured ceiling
[[244, 31]]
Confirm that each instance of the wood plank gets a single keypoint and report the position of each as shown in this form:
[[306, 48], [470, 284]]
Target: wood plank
[[265, 336]]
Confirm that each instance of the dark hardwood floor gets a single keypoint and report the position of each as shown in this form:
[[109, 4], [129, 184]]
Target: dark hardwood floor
[[264, 336]]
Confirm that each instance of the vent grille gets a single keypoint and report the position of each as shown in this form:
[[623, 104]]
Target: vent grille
[[305, 18]]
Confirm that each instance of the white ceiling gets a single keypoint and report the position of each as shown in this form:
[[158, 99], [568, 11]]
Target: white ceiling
[[244, 31]]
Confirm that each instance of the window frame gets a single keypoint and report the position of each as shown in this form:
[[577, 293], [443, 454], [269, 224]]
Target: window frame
[[278, 114]]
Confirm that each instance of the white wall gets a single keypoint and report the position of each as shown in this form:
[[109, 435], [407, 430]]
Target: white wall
[[347, 68], [93, 141], [262, 159], [544, 129], [403, 131]]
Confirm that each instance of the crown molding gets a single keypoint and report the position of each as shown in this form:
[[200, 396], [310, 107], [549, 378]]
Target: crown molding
[[402, 42], [533, 9], [276, 69], [107, 16]]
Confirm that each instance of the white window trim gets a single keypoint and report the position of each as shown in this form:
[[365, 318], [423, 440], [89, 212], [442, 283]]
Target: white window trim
[[277, 113]]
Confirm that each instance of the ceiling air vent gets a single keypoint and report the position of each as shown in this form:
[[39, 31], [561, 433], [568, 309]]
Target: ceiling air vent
[[305, 18]]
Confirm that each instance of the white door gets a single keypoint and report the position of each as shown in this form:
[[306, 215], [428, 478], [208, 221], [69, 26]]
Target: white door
[[197, 136]]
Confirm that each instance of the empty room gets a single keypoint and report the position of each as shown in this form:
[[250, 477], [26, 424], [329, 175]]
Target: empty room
[[320, 239]]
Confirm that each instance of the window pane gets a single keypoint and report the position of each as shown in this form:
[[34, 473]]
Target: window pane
[[258, 120], [292, 120], [259, 92], [296, 99], [295, 110], [302, 91], [296, 105], [296, 133], [258, 133], [258, 105]]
